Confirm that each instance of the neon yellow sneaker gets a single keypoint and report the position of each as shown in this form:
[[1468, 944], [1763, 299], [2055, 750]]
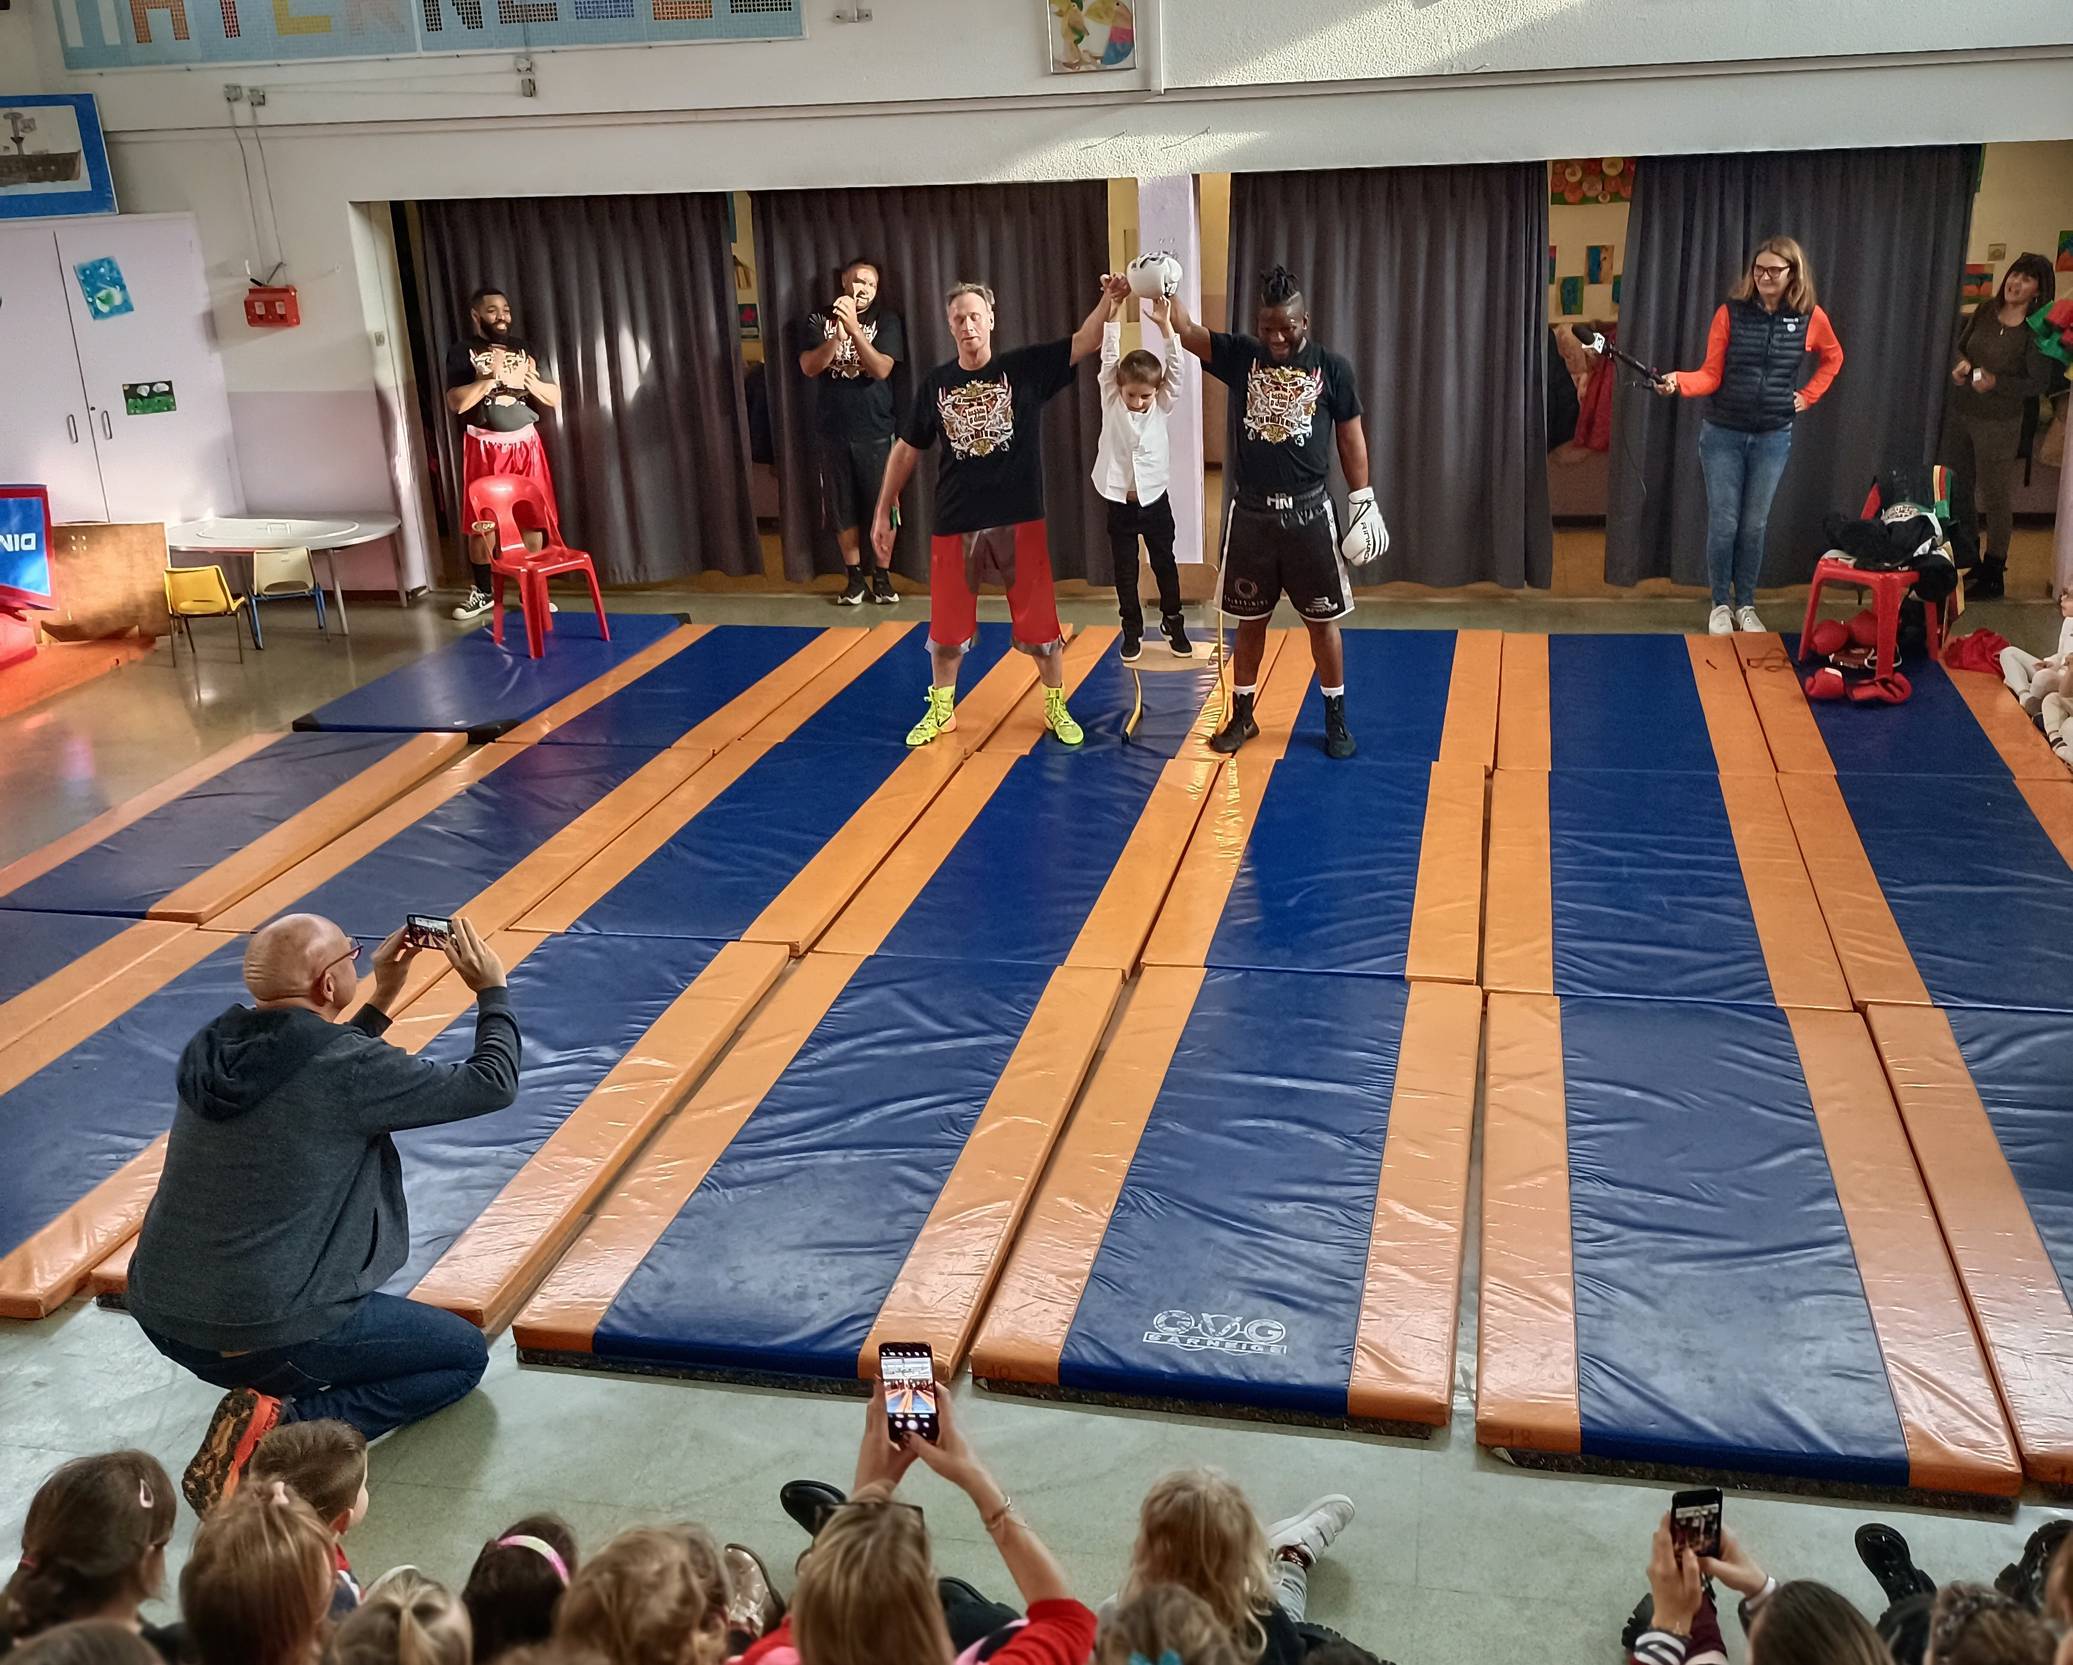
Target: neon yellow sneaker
[[1060, 719], [940, 718]]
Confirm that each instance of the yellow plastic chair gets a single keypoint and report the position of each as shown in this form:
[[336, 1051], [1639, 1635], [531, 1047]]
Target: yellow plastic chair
[[203, 593]]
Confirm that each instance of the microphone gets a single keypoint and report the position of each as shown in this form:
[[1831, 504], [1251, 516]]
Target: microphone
[[1595, 343]]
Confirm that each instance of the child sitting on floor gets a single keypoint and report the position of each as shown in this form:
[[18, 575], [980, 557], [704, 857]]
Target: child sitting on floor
[[2045, 686], [324, 1464], [1132, 466], [515, 1587]]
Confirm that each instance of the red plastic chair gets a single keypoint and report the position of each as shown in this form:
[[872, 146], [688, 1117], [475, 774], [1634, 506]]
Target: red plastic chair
[[1887, 590], [497, 499]]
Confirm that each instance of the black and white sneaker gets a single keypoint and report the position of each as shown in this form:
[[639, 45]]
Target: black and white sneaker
[[1238, 728], [1175, 630], [882, 591], [853, 591], [1133, 645], [473, 605], [1338, 739]]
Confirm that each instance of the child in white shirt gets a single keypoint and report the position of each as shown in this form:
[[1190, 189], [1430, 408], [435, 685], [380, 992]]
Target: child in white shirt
[[1132, 465], [2045, 686]]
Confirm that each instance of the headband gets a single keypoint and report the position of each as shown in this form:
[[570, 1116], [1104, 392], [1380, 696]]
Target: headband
[[1169, 1657], [542, 1548]]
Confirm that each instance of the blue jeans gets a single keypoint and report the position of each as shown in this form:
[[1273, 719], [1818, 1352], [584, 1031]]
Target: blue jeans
[[392, 1362], [1742, 471]]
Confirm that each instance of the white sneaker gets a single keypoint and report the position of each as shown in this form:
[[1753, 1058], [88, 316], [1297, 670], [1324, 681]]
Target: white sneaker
[[1746, 619], [1720, 622], [1311, 1533], [473, 606]]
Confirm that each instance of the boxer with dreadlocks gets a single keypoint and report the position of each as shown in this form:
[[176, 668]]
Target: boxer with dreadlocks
[[1279, 531]]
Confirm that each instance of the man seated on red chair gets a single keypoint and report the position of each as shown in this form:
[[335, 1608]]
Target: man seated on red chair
[[495, 385]]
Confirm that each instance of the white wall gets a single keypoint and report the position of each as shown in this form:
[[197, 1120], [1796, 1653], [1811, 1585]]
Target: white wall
[[2025, 200], [21, 64]]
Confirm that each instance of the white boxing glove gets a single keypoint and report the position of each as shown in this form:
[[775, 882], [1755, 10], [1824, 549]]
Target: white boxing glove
[[1366, 537]]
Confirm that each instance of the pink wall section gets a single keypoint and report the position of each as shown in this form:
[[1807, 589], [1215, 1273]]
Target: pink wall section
[[320, 454]]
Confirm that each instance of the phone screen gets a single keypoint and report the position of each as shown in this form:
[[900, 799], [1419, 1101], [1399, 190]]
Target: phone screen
[[1695, 1520], [424, 930], [907, 1375]]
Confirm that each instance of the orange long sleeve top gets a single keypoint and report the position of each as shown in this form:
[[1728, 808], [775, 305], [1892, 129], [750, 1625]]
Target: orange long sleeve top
[[1821, 338]]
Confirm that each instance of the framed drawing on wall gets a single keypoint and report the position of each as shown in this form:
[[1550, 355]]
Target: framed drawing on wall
[[53, 159], [1090, 34]]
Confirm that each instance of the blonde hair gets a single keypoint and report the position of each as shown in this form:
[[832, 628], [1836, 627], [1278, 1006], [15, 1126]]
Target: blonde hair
[[867, 1589], [408, 1619], [655, 1595], [1165, 1619], [257, 1584], [1195, 1529], [957, 289], [1799, 283]]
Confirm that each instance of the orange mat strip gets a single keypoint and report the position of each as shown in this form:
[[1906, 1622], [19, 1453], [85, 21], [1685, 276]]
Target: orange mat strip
[[2020, 742], [2015, 1294], [1447, 904], [1187, 921], [1033, 1306], [1788, 722], [1117, 926], [774, 691], [1524, 738], [111, 821], [1875, 958], [59, 667], [602, 687], [1956, 1439], [1469, 734], [279, 848], [43, 1272], [943, 1285], [1732, 725], [1801, 961], [42, 1001], [1519, 916], [2051, 801], [1526, 1373], [1403, 1355], [1024, 725], [881, 639], [563, 1316], [180, 949], [1286, 672]]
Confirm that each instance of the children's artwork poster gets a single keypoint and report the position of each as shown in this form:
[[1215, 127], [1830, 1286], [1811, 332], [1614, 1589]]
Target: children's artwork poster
[[751, 327], [1091, 34], [100, 281], [1572, 297], [1591, 179], [1978, 283], [2064, 263], [148, 398], [1616, 288], [1598, 263], [53, 159]]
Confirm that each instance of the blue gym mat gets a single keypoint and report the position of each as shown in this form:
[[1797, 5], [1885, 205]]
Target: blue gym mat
[[33, 945], [2020, 1064], [1933, 733], [660, 708], [1626, 702], [1173, 696], [474, 687], [130, 870], [1397, 683], [888, 697]]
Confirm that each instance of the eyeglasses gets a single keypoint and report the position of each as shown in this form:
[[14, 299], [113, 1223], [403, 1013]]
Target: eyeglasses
[[353, 954], [1772, 271]]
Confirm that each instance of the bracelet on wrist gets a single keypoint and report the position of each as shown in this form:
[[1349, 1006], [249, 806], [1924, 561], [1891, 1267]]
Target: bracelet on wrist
[[998, 1518]]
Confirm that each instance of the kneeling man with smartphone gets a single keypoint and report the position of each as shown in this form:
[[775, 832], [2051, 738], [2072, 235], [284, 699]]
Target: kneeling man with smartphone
[[281, 1213]]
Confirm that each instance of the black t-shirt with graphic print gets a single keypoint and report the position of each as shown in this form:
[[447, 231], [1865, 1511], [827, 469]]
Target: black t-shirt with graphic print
[[850, 403], [1286, 412], [503, 410], [991, 422]]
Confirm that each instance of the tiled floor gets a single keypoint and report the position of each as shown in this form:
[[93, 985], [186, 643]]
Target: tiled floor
[[1454, 1555]]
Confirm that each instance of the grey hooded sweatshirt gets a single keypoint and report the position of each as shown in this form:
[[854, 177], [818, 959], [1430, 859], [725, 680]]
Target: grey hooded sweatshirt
[[281, 1205]]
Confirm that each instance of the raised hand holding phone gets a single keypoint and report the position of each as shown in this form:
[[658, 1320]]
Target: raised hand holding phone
[[474, 959], [1673, 1582]]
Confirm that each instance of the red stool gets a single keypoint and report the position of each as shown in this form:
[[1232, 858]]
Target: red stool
[[1887, 589], [496, 499]]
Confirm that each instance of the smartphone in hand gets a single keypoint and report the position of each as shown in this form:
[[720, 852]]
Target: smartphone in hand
[[1695, 1520], [424, 930], [907, 1377]]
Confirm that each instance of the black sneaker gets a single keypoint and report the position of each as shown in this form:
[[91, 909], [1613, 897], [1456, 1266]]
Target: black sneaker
[[882, 591], [810, 1503], [473, 605], [1338, 739], [1238, 728], [1640, 1619], [1133, 645], [2024, 1582], [1175, 630], [853, 591], [1887, 1558]]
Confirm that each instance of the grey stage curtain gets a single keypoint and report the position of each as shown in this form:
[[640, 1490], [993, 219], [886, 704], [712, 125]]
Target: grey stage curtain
[[1433, 282], [1884, 231], [629, 301], [1042, 250]]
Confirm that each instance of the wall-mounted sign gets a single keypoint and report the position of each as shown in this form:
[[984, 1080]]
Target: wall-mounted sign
[[147, 398], [100, 281], [1091, 34], [101, 34], [53, 159]]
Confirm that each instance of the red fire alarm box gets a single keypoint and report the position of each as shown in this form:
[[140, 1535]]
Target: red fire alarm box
[[273, 307]]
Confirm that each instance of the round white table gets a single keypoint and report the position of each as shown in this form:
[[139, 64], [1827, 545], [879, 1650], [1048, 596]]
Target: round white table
[[249, 534]]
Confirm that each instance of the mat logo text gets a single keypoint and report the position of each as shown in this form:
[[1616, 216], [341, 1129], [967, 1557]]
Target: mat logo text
[[1220, 1332], [19, 543]]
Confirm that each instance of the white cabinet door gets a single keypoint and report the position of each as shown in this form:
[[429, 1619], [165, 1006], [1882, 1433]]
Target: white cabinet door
[[158, 465], [46, 437]]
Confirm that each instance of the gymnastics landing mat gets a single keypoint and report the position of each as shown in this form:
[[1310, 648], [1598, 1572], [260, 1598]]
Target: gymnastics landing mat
[[851, 1171], [1954, 723], [614, 1032], [1257, 1207], [886, 691], [1413, 696], [1656, 703], [1688, 887], [235, 820], [474, 687], [1954, 891], [1706, 1247], [1984, 1097]]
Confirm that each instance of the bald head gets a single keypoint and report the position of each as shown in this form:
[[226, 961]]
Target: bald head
[[301, 959]]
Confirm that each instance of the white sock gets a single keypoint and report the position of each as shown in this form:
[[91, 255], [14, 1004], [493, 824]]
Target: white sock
[[1250, 689], [1334, 693]]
